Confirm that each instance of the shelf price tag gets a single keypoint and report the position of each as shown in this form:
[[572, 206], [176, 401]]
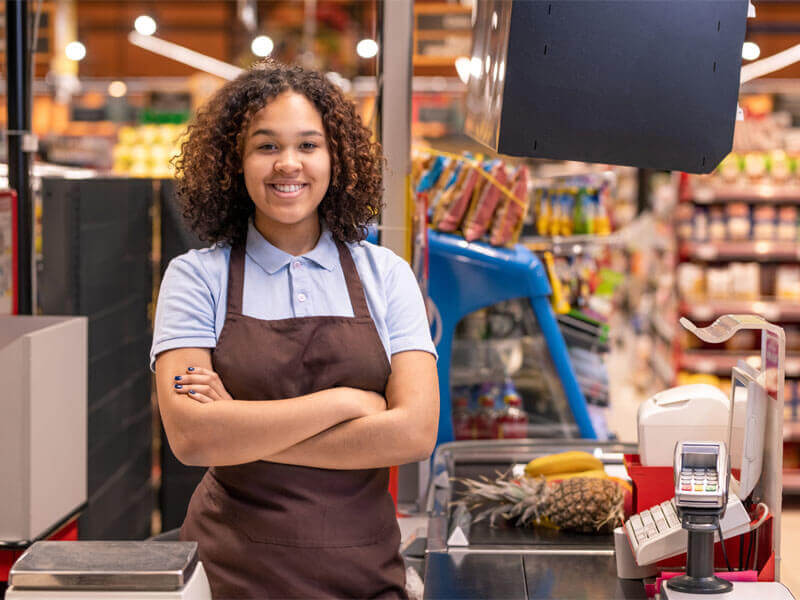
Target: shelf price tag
[[702, 312], [706, 251], [704, 194], [706, 366]]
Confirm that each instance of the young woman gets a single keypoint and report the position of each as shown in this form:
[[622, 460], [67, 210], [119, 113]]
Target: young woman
[[291, 357]]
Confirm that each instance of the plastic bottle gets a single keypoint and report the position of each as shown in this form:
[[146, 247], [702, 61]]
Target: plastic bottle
[[543, 218], [555, 215], [579, 215], [462, 417], [602, 224], [485, 421], [512, 422], [567, 227]]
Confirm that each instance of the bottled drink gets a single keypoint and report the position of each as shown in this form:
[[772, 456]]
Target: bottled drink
[[462, 417], [512, 422], [485, 419]]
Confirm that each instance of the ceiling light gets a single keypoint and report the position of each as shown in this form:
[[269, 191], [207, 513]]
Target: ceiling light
[[367, 48], [75, 51], [750, 51], [475, 66], [262, 46], [145, 25], [463, 67], [117, 89]]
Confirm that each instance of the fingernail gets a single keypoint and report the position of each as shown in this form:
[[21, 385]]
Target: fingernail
[[191, 391], [191, 369], [178, 386], [177, 377]]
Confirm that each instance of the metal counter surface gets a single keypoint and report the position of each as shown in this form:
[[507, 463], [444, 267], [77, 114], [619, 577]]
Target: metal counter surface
[[460, 575], [512, 562]]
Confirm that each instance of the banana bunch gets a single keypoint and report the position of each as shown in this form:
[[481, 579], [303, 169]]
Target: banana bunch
[[566, 465]]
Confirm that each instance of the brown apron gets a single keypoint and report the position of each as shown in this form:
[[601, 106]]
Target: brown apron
[[269, 530]]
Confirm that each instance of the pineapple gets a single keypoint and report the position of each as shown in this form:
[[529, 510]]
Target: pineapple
[[521, 499], [582, 504], [577, 504]]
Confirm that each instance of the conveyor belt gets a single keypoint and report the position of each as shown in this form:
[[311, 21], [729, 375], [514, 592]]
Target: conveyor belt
[[516, 562], [526, 577]]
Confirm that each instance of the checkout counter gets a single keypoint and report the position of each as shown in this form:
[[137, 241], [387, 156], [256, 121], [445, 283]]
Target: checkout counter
[[465, 560]]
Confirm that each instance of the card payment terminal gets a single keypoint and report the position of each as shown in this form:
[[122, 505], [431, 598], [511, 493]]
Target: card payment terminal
[[701, 475]]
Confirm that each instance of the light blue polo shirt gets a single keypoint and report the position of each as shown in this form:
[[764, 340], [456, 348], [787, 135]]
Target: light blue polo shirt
[[192, 299]]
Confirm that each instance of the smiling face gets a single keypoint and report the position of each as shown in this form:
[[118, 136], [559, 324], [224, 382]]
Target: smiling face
[[286, 164]]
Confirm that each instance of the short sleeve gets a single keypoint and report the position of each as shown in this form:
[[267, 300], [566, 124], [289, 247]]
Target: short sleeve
[[185, 313], [406, 319]]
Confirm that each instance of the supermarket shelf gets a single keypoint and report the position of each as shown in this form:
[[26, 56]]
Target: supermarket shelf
[[721, 362], [570, 244], [791, 431], [763, 193], [746, 250], [791, 481], [662, 328], [662, 368], [770, 309], [633, 232]]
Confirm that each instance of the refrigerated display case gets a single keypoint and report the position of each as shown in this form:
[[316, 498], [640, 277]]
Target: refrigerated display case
[[497, 335]]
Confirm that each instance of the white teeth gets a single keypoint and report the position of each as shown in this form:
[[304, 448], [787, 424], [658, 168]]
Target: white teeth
[[288, 189]]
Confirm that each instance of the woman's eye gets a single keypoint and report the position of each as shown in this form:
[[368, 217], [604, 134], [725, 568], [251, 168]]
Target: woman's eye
[[308, 146], [267, 147]]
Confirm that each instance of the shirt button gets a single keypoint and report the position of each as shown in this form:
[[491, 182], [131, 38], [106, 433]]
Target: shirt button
[[301, 297], [297, 264]]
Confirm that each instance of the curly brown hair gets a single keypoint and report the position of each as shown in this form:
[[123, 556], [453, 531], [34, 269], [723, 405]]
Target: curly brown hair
[[209, 180]]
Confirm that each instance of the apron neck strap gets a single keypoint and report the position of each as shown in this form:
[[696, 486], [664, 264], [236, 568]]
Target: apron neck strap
[[358, 299], [236, 279]]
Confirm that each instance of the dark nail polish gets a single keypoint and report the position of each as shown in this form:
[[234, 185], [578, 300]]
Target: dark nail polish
[[191, 391], [191, 368], [177, 386], [177, 377]]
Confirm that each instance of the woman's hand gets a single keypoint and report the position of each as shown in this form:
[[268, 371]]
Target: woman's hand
[[369, 402], [203, 385]]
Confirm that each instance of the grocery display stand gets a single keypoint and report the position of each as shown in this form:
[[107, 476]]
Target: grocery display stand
[[465, 277], [702, 193]]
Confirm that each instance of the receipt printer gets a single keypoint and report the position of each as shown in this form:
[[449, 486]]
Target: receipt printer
[[687, 412]]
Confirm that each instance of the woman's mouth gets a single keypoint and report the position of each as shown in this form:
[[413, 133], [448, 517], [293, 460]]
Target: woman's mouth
[[287, 190]]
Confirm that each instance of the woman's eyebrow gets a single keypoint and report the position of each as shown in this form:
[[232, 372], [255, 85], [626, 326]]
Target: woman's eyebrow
[[271, 133]]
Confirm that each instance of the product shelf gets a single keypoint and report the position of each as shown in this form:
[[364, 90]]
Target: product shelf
[[791, 481], [750, 193], [770, 308], [761, 250], [721, 362], [662, 368], [662, 328], [791, 431]]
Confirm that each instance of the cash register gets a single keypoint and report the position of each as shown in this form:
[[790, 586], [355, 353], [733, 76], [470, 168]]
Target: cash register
[[710, 504]]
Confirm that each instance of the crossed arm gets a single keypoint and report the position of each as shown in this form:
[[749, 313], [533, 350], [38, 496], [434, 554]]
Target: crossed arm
[[340, 428]]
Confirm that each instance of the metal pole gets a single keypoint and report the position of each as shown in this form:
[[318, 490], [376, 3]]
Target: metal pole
[[395, 24], [19, 128]]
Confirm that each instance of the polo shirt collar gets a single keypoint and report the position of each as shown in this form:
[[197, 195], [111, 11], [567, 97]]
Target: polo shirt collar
[[272, 259]]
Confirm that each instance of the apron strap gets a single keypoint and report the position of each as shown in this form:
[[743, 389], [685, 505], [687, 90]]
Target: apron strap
[[236, 280], [358, 299]]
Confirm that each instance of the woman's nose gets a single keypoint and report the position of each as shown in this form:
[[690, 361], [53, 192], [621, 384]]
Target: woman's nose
[[288, 162]]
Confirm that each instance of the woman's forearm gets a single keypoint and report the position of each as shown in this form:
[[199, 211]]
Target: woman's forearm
[[240, 431], [380, 440]]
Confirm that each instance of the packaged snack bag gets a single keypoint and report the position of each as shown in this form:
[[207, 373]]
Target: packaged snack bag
[[445, 181], [508, 222], [431, 176], [481, 211], [447, 197], [453, 212]]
